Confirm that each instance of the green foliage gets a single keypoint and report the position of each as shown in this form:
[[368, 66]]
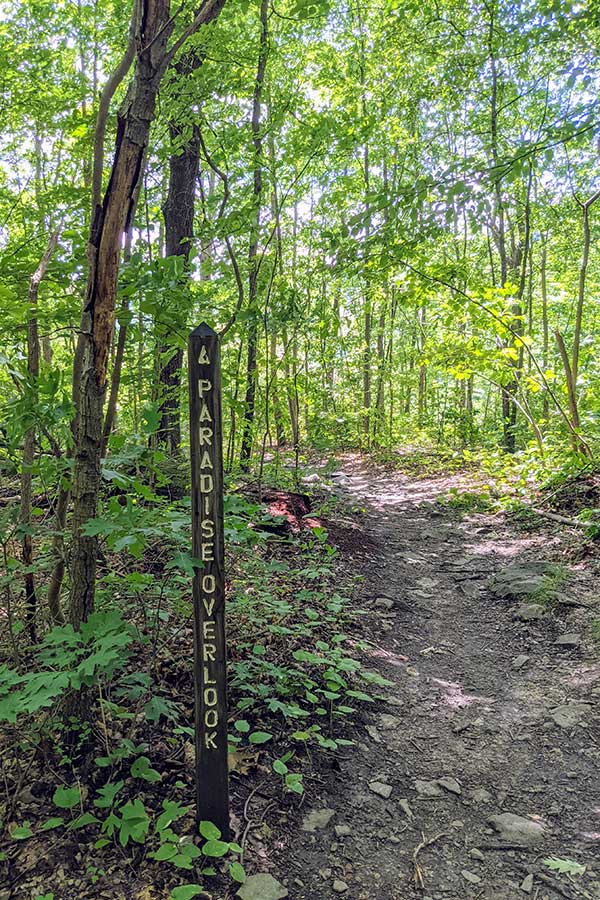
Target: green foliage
[[67, 660], [564, 866]]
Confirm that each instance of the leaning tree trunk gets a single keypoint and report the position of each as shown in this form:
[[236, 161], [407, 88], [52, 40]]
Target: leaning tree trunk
[[152, 28]]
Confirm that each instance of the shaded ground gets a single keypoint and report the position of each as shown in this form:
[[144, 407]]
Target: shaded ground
[[465, 707]]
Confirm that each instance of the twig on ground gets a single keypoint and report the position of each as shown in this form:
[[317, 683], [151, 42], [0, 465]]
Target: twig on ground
[[426, 842], [572, 523]]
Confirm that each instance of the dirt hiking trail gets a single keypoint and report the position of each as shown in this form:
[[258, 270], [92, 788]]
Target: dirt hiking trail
[[485, 759]]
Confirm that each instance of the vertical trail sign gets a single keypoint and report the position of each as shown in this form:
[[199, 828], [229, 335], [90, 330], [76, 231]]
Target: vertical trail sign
[[210, 683]]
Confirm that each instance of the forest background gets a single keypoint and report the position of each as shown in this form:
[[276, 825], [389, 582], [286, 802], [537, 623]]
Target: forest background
[[389, 213]]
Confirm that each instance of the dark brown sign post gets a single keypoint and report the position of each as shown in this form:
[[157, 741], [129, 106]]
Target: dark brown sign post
[[210, 684]]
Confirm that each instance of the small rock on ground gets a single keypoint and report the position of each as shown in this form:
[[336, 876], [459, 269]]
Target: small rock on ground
[[381, 789], [530, 612], [451, 785], [317, 819], [471, 877], [569, 641], [340, 887], [428, 789], [569, 715], [518, 830], [384, 603], [527, 884], [519, 661], [387, 722], [262, 887]]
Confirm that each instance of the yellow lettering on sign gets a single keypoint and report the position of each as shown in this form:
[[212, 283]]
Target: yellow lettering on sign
[[209, 740], [208, 631], [210, 653], [207, 679], [208, 528], [205, 415], [209, 604], [205, 436], [208, 583], [211, 718], [206, 483], [207, 554], [210, 696], [206, 461], [204, 386], [203, 359]]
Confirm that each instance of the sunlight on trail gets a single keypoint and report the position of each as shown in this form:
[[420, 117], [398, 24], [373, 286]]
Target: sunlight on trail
[[453, 694]]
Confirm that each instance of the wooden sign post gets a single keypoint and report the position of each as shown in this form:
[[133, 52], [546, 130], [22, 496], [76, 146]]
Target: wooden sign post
[[210, 682]]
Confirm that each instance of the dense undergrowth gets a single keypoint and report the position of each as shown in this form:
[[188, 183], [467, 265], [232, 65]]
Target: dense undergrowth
[[116, 790], [114, 793]]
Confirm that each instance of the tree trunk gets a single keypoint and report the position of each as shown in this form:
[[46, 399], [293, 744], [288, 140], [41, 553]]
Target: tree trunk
[[251, 373], [545, 328], [33, 372], [153, 27], [178, 213], [571, 366]]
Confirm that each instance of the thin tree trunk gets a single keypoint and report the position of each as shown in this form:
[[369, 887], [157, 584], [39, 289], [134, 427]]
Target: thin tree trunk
[[253, 261], [545, 328], [33, 372], [115, 381], [571, 366]]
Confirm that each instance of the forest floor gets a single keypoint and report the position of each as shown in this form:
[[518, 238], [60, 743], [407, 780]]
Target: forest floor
[[490, 712]]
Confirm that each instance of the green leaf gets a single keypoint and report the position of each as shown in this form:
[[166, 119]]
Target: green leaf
[[164, 852], [66, 798], [135, 823], [260, 737], [172, 812], [359, 695], [215, 848], [54, 822], [141, 768], [237, 872], [107, 794], [242, 726], [157, 707], [564, 866], [280, 767], [21, 832], [83, 820], [186, 892], [209, 831]]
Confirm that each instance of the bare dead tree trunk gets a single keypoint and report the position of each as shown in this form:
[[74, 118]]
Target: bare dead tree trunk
[[152, 30]]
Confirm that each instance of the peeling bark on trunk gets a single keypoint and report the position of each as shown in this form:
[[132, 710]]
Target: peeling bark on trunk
[[110, 222], [152, 30]]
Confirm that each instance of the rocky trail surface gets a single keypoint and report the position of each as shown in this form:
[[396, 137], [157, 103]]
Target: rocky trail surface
[[484, 761]]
